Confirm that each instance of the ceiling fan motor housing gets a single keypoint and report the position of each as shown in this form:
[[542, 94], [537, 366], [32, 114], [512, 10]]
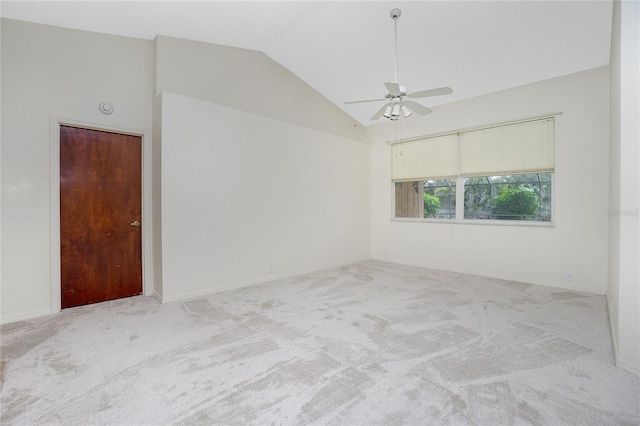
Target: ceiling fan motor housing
[[403, 93]]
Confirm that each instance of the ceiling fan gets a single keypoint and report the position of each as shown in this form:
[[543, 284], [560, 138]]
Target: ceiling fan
[[397, 95]]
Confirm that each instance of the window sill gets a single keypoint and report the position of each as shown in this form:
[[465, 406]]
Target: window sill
[[477, 222]]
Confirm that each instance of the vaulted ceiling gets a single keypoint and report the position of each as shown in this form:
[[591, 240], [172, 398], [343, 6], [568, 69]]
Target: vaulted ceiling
[[345, 49]]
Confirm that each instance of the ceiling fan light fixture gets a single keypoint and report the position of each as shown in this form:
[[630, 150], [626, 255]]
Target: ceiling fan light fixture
[[395, 111], [387, 112], [406, 112]]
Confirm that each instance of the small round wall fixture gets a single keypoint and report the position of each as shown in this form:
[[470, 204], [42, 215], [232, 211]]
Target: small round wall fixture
[[106, 108]]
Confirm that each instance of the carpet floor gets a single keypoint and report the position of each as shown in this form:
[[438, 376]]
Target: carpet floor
[[371, 343]]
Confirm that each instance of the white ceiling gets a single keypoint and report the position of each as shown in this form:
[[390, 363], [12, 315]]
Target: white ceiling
[[345, 49]]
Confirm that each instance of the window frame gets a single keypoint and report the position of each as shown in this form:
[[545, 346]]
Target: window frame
[[452, 187], [519, 182], [460, 220]]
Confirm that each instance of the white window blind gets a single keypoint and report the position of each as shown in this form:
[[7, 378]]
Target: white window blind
[[514, 148], [511, 148], [426, 158]]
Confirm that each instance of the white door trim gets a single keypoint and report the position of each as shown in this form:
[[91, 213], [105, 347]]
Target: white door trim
[[147, 246]]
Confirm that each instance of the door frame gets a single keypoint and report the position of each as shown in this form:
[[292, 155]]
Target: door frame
[[54, 198]]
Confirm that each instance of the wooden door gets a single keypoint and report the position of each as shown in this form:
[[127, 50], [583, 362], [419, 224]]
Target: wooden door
[[100, 215]]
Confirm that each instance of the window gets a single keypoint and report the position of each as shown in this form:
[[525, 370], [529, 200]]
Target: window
[[440, 198], [430, 199], [508, 197], [496, 173]]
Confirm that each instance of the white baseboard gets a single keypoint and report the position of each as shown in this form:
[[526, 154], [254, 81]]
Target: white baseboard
[[262, 280], [500, 277], [156, 296], [631, 368], [159, 297], [612, 331], [25, 316]]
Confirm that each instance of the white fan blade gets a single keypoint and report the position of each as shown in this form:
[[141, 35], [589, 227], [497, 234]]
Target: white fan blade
[[431, 92], [393, 88], [365, 100], [416, 107], [379, 113]]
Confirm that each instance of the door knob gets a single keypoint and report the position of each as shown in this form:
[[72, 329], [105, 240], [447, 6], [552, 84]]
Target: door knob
[[135, 223]]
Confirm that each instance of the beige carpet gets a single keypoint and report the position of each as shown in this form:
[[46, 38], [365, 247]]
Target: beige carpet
[[370, 343]]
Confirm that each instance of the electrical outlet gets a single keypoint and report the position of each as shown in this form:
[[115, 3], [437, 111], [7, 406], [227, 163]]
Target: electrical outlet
[[270, 269], [568, 276]]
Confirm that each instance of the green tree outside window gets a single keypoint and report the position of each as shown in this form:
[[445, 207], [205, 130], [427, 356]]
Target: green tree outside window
[[516, 204], [431, 205]]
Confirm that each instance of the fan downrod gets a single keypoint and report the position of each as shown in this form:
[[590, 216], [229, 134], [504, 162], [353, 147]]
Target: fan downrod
[[395, 94]]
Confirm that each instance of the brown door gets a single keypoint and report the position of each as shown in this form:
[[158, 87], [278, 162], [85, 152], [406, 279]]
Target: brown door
[[100, 215]]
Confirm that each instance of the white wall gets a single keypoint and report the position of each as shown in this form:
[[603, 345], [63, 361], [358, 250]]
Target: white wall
[[578, 241], [248, 80], [624, 230], [50, 71], [246, 198]]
